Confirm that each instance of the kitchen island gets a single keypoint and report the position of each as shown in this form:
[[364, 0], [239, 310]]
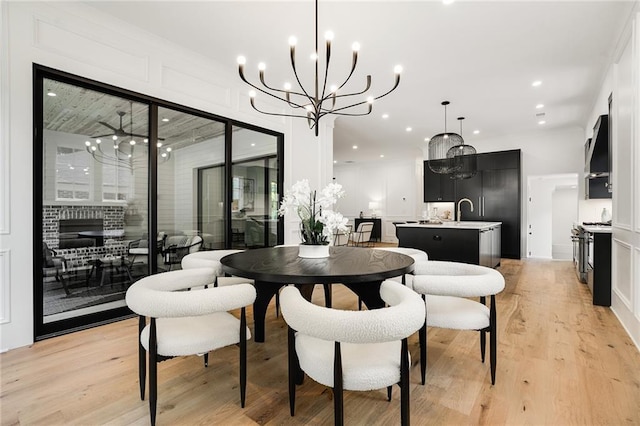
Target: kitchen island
[[472, 242]]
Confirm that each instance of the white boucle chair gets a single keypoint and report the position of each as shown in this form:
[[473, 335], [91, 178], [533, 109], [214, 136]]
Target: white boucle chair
[[446, 287], [211, 259], [352, 350], [187, 322], [417, 255]]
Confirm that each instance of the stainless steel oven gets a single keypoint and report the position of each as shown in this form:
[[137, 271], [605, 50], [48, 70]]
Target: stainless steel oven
[[580, 240]]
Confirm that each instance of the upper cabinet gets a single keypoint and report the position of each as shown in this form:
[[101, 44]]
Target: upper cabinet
[[437, 187], [597, 161]]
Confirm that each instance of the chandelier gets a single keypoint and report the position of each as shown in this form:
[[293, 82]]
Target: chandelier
[[314, 105], [464, 159], [122, 152], [439, 146]]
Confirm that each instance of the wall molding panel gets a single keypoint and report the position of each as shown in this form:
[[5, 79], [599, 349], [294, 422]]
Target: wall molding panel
[[5, 286], [85, 49], [183, 83], [622, 275]]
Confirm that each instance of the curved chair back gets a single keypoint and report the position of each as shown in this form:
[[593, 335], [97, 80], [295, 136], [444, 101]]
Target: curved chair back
[[362, 235], [353, 350], [447, 288], [191, 322]]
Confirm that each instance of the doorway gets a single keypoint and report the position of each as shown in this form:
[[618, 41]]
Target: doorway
[[552, 208]]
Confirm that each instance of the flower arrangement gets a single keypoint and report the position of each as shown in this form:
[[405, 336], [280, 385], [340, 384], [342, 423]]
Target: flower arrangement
[[318, 220]]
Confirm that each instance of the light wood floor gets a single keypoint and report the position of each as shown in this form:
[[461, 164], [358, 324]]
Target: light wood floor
[[561, 361]]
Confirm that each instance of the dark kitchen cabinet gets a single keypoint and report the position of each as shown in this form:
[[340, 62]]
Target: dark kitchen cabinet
[[496, 197], [598, 187], [437, 187], [475, 246], [599, 269]]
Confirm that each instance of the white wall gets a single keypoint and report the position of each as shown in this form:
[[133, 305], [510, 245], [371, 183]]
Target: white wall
[[78, 39], [393, 185], [623, 81]]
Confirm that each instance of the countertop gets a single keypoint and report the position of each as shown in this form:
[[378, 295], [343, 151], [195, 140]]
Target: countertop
[[597, 228], [452, 225]]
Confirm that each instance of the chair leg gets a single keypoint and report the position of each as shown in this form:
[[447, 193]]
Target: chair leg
[[277, 303], [205, 357], [243, 356], [153, 371], [293, 368], [338, 406], [142, 358], [389, 389], [483, 335], [327, 295], [404, 383], [493, 336], [422, 337]]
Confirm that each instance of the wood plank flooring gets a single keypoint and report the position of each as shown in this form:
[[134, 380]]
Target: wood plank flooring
[[561, 361]]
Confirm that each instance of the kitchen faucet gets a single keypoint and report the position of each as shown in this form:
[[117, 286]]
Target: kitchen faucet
[[459, 202]]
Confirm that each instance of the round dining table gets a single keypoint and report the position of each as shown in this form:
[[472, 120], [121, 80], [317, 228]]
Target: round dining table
[[360, 269]]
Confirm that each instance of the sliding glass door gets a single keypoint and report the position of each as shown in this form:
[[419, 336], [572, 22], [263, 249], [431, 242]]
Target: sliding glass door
[[125, 185], [94, 199]]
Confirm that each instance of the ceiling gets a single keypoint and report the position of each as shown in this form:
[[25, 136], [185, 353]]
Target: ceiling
[[482, 56]]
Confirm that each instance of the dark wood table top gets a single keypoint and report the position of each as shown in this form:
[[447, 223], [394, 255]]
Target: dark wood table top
[[344, 265]]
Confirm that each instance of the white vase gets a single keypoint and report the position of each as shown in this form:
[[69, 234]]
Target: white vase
[[313, 251]]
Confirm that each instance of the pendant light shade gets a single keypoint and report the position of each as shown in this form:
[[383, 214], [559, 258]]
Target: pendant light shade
[[439, 146], [464, 159]]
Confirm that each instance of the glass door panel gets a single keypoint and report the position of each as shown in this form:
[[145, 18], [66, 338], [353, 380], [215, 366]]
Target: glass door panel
[[94, 201], [255, 192], [191, 157]]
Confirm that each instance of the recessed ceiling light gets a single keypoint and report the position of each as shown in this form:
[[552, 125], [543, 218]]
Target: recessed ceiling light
[[447, 2], [541, 122], [408, 129], [475, 132], [427, 139], [50, 93], [253, 144], [381, 155], [385, 116], [539, 106], [335, 161], [536, 83], [355, 147], [165, 119]]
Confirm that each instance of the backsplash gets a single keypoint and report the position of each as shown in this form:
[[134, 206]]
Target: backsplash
[[591, 210]]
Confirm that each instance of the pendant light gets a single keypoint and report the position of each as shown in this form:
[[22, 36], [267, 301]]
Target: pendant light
[[439, 146], [464, 158]]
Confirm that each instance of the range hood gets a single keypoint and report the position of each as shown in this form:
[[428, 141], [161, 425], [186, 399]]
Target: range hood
[[597, 152]]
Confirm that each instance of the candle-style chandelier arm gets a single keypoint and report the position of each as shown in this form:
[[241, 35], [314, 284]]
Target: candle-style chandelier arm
[[295, 73], [397, 82], [275, 89], [259, 89], [351, 114], [276, 113]]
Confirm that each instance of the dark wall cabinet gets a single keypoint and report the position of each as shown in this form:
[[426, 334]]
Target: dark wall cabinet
[[496, 196], [437, 187]]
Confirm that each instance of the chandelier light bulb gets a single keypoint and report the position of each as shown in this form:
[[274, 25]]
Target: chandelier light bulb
[[93, 148], [87, 143], [132, 142], [115, 147], [159, 144], [146, 141], [168, 149], [114, 137], [313, 104], [446, 136], [164, 154], [98, 141], [397, 69], [129, 156]]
